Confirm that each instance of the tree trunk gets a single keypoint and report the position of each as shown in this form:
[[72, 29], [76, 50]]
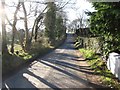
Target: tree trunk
[[27, 40], [35, 26], [14, 27]]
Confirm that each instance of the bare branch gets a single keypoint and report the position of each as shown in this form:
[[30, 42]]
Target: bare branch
[[65, 3]]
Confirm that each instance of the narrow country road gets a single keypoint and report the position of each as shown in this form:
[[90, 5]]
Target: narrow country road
[[62, 68]]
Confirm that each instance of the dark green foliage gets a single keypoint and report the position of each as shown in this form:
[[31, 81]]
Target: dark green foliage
[[54, 25], [50, 22], [105, 22], [60, 29]]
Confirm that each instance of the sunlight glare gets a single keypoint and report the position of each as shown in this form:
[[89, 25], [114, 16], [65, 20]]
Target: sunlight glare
[[0, 17]]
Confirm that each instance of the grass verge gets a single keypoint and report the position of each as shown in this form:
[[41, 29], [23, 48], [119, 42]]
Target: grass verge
[[100, 68]]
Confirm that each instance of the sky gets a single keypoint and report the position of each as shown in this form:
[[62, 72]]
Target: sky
[[80, 6], [73, 11]]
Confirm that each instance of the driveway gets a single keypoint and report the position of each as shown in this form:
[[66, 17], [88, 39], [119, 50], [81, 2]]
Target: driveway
[[62, 68]]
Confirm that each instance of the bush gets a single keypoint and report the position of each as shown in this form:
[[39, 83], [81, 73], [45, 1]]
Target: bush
[[87, 53]]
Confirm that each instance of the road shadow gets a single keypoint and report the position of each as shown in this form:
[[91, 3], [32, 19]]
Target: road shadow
[[43, 80], [68, 57], [71, 57], [69, 65], [85, 82], [17, 83]]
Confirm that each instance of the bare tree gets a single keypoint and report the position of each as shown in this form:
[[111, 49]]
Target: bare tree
[[26, 27], [20, 38], [35, 26], [14, 27]]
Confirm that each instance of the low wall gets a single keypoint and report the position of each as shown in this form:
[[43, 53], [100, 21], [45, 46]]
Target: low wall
[[90, 43]]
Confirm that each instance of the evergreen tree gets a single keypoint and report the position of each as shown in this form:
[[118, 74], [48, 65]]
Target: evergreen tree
[[59, 27], [50, 19]]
